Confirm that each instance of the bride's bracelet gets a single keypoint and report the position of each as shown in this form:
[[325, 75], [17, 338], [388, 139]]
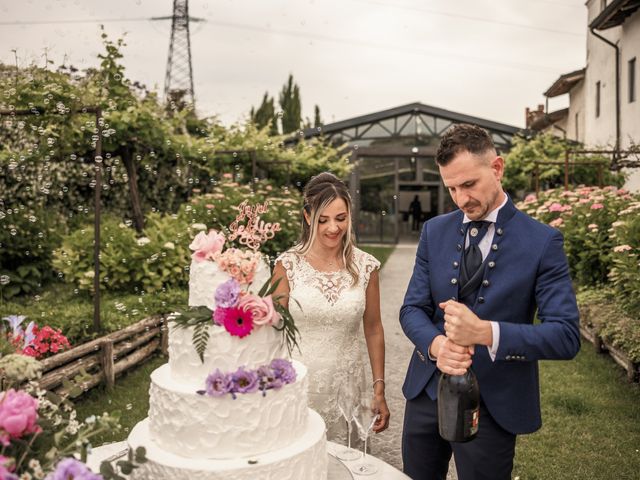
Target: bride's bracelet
[[378, 380]]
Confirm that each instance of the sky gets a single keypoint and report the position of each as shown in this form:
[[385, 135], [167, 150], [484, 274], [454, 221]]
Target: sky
[[486, 58]]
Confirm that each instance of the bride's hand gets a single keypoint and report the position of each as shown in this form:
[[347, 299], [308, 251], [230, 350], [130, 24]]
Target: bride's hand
[[380, 405]]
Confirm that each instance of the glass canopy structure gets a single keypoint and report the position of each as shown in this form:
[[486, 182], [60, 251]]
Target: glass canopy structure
[[393, 153]]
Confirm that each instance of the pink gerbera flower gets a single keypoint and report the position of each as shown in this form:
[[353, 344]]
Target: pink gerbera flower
[[236, 321]]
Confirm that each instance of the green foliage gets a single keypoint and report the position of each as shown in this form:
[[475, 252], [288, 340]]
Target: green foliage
[[601, 229], [291, 106], [625, 271], [265, 116], [27, 238], [585, 217], [217, 210], [519, 174]]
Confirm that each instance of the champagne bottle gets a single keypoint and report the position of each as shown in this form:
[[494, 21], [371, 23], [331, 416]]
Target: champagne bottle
[[458, 406]]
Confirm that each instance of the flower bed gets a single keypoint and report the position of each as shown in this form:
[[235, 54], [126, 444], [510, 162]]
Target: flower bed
[[601, 229]]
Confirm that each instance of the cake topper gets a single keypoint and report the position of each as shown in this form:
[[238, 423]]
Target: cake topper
[[256, 231]]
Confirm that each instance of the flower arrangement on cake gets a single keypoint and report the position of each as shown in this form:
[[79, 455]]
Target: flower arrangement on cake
[[237, 306]]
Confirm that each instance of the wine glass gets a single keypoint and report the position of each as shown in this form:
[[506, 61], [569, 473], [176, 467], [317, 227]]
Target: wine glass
[[365, 418], [347, 398]]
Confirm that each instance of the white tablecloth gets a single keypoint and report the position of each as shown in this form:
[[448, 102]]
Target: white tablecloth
[[338, 470]]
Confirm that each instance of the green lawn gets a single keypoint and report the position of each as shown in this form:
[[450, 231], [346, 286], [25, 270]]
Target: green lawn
[[591, 423], [382, 253]]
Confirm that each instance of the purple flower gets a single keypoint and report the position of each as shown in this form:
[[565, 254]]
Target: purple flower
[[227, 294], [245, 381], [72, 469], [218, 384], [267, 377], [283, 370]]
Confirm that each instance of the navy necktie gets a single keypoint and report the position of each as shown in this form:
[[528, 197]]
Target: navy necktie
[[473, 254]]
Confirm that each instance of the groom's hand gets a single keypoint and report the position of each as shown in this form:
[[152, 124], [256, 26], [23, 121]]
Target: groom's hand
[[463, 326], [451, 358]]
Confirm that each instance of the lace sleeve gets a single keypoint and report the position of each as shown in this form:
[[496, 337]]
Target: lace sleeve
[[368, 263], [288, 260]]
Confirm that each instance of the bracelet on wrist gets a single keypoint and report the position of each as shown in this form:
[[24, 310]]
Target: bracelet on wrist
[[378, 380]]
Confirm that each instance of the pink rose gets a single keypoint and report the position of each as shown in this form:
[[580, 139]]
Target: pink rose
[[206, 245], [556, 207], [18, 415], [262, 309]]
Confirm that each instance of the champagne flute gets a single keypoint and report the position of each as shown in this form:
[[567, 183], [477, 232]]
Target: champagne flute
[[365, 418], [347, 398]]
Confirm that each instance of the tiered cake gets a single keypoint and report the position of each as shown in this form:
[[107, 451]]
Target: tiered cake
[[239, 410]]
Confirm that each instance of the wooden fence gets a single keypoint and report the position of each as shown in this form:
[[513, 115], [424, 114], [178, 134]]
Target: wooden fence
[[106, 357]]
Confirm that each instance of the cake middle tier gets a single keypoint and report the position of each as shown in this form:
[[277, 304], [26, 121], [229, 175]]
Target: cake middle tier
[[193, 425], [225, 352]]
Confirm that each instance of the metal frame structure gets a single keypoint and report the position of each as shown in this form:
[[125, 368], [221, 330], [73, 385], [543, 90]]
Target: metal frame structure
[[410, 131]]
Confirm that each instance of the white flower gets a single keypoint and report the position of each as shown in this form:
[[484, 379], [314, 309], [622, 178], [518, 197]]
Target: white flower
[[143, 241], [90, 274], [170, 245], [199, 226], [90, 420]]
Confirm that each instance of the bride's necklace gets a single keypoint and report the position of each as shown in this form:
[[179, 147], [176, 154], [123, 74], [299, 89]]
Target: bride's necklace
[[333, 263]]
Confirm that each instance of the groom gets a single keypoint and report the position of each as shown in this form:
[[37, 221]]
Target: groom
[[481, 274]]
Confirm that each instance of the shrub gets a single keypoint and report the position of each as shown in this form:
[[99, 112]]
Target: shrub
[[160, 258], [27, 238], [585, 216]]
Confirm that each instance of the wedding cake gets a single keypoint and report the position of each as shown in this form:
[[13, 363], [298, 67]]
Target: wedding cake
[[230, 404]]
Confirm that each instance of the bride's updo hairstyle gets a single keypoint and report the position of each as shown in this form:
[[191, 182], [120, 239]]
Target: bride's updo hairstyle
[[318, 193]]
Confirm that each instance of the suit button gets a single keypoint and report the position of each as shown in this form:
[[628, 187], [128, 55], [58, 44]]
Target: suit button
[[508, 357], [459, 247], [494, 247], [499, 231], [462, 231], [486, 283], [456, 264], [480, 299], [492, 264], [454, 281], [455, 299]]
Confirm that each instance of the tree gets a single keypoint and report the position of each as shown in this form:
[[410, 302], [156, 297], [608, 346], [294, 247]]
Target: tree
[[317, 121], [265, 115], [291, 107], [520, 164]]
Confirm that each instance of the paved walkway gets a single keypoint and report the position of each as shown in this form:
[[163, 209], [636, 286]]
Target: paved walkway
[[394, 279]]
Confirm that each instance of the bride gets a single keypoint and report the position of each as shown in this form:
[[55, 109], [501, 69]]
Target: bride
[[335, 295]]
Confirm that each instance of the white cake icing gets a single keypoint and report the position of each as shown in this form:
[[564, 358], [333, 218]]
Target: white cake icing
[[224, 351], [192, 425], [303, 459], [204, 278]]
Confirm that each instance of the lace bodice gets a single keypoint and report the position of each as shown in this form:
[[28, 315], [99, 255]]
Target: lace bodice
[[328, 310]]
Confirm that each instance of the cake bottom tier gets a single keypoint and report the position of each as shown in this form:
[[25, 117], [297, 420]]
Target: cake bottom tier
[[306, 458]]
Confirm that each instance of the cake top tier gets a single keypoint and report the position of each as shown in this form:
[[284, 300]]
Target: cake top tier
[[231, 288]]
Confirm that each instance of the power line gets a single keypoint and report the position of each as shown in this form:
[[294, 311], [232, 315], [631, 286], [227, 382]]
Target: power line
[[93, 20], [468, 17], [315, 36]]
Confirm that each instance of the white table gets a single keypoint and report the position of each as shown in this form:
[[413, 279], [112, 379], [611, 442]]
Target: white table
[[338, 469]]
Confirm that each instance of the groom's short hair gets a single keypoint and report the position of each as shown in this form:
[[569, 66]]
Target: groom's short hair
[[463, 137]]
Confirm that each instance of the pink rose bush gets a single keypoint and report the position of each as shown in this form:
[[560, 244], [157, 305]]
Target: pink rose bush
[[600, 231]]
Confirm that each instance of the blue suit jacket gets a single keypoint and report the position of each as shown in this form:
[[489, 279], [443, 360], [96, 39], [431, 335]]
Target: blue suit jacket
[[526, 270]]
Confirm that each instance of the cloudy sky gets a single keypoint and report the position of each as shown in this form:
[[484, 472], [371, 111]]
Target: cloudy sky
[[488, 58]]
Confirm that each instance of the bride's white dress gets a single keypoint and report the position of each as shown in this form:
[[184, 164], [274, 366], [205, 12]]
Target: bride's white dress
[[328, 312]]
